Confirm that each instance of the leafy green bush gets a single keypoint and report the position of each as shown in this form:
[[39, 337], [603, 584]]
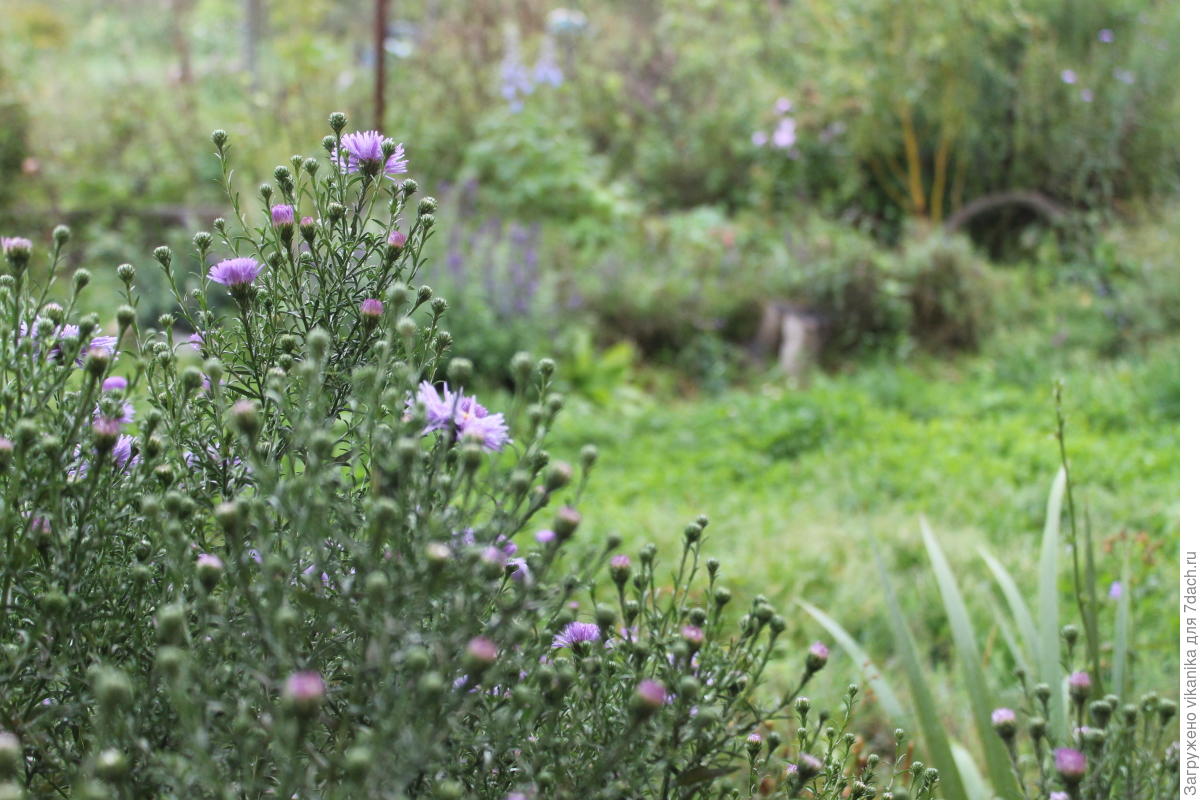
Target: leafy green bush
[[949, 291], [301, 568]]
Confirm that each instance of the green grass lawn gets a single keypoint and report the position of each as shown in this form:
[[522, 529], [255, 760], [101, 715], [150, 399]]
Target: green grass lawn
[[804, 485]]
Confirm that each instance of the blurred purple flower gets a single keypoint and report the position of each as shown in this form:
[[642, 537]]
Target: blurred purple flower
[[785, 134], [759, 138], [282, 215], [1124, 76], [1086, 95], [1105, 36], [1069, 76], [783, 105], [1115, 590]]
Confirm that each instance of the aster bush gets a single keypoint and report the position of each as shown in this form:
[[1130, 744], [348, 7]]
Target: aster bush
[[272, 547]]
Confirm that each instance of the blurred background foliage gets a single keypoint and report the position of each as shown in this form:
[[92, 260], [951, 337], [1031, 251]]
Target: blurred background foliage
[[651, 172]]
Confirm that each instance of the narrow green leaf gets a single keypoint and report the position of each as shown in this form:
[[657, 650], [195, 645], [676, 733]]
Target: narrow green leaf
[[976, 785], [1016, 603], [1015, 646], [1048, 653], [934, 733], [883, 690], [1090, 607], [966, 648]]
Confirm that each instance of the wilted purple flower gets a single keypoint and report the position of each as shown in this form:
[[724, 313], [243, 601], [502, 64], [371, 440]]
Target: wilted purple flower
[[282, 215], [1087, 95], [235, 272], [577, 633], [1069, 76], [1070, 764], [544, 536], [1115, 590], [364, 153], [114, 384], [1105, 36]]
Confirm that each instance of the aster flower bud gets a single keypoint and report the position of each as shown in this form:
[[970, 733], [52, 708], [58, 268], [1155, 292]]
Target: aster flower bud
[[691, 533], [61, 234], [558, 476], [722, 596], [208, 570], [1079, 686], [81, 279], [1101, 712], [1070, 764], [619, 567], [112, 764], [303, 692], [97, 361], [481, 654], [6, 451], [17, 250], [648, 698], [1166, 711], [1042, 693], [1004, 721], [409, 187], [337, 121], [565, 522], [459, 371], [126, 315], [219, 138], [112, 689], [818, 656], [335, 212], [546, 367], [265, 192], [428, 205], [105, 431], [424, 293], [244, 415]]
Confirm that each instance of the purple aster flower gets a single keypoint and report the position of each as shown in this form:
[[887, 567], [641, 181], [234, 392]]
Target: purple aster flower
[[1087, 95], [439, 406], [122, 453], [1105, 36], [235, 272], [1068, 76], [209, 560], [785, 133], [492, 555], [196, 341], [651, 693], [544, 536], [577, 633], [371, 308], [519, 570], [692, 635], [364, 154], [1070, 764], [1115, 590], [482, 650], [397, 239], [126, 416], [1080, 680], [114, 384], [490, 431], [304, 690], [9, 244], [1003, 716], [546, 69], [282, 215]]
